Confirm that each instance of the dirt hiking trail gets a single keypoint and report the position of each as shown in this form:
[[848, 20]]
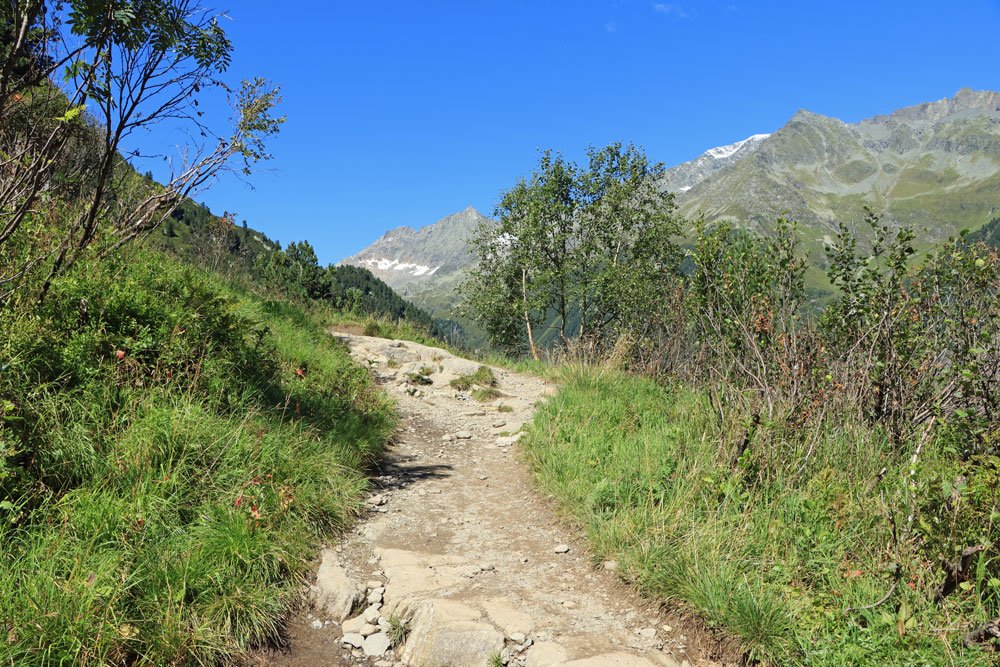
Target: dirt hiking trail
[[458, 541]]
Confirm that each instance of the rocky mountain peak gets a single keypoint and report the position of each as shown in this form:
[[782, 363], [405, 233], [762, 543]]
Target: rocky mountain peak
[[405, 257], [685, 176], [964, 100]]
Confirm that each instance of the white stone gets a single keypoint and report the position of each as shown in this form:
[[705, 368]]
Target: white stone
[[561, 548], [353, 625], [353, 639], [371, 614], [368, 629], [463, 435], [376, 645], [545, 654]]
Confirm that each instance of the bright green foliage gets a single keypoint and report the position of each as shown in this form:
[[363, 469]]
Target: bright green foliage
[[173, 453], [920, 343], [778, 547], [588, 247], [745, 295], [624, 251]]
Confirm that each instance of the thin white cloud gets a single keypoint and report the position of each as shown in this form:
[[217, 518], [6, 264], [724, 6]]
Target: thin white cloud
[[671, 9], [611, 27]]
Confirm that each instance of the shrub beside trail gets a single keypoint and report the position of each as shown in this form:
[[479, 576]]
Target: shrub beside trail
[[805, 564]]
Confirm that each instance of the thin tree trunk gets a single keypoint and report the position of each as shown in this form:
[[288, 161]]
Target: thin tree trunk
[[527, 318]]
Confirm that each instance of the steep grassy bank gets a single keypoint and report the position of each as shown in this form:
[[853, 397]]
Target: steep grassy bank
[[173, 451], [772, 536]]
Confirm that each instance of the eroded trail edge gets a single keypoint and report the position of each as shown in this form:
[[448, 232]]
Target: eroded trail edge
[[461, 547]]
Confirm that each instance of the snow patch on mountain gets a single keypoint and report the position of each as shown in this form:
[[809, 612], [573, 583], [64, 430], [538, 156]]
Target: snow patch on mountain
[[685, 176], [722, 152], [386, 264]]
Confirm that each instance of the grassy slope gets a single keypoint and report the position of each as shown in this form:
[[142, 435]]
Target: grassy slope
[[771, 556], [161, 508]]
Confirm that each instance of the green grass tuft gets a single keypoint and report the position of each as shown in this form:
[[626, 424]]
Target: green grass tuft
[[483, 378], [399, 630]]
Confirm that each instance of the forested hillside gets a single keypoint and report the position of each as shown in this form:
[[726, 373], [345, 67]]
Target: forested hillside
[[193, 233], [988, 234]]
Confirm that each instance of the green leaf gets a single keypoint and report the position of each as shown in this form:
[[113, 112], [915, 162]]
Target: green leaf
[[71, 113]]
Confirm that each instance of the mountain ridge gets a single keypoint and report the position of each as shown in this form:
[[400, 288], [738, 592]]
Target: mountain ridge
[[934, 166]]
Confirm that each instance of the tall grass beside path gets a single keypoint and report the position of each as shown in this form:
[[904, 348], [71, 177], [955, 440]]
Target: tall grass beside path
[[173, 452], [804, 564]]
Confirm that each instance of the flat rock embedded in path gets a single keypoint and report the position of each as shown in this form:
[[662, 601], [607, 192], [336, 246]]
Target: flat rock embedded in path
[[469, 553], [443, 632]]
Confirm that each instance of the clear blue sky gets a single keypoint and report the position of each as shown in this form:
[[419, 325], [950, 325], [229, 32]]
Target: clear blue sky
[[400, 113]]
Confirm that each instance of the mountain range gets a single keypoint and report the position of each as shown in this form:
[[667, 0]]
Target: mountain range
[[426, 265], [934, 166]]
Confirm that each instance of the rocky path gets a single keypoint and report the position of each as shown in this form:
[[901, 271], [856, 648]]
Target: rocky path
[[460, 546]]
